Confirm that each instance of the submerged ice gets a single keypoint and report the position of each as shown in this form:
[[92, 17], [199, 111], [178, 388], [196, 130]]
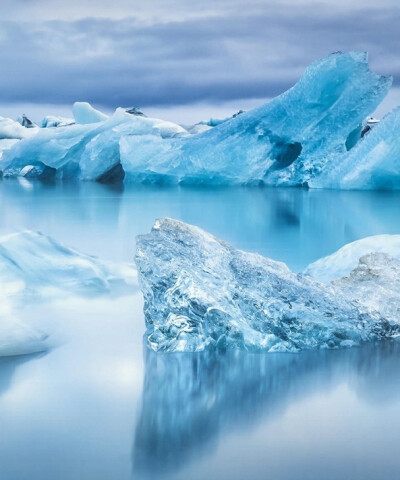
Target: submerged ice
[[201, 293], [314, 134]]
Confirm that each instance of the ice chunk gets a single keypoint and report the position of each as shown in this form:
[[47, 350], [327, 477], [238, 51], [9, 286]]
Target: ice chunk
[[9, 129], [346, 259], [43, 265], [34, 268], [89, 152], [373, 164], [6, 144], [201, 293], [54, 121], [84, 113], [287, 141], [376, 284], [26, 122]]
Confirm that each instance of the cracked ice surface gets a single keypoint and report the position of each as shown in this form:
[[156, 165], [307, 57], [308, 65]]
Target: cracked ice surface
[[200, 292]]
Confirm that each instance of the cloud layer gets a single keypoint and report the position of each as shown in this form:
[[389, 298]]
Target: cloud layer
[[165, 53]]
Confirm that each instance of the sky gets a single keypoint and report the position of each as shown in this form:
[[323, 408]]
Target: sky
[[182, 60]]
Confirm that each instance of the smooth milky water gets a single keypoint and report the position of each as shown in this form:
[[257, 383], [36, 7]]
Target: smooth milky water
[[99, 406]]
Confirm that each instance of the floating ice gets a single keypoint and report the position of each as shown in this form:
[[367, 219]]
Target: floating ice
[[54, 121], [89, 152], [292, 140], [84, 113], [373, 164], [201, 293], [9, 129], [346, 259], [287, 141], [34, 268]]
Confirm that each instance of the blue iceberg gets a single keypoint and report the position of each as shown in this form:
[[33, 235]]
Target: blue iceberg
[[287, 141], [310, 135], [88, 151], [373, 164], [200, 293]]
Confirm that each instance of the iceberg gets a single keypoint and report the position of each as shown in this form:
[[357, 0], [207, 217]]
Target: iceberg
[[35, 268], [85, 114], [287, 141], [200, 293], [88, 152], [341, 263], [373, 164], [314, 134], [367, 270], [50, 121], [9, 129]]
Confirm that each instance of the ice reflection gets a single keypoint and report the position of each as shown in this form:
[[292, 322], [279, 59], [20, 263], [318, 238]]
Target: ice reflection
[[8, 366], [191, 400]]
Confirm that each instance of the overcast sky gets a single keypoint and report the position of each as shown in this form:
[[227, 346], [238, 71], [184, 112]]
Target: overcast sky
[[180, 56]]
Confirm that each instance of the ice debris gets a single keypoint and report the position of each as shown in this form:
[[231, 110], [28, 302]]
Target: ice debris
[[85, 114], [200, 293], [35, 268], [89, 152], [9, 129]]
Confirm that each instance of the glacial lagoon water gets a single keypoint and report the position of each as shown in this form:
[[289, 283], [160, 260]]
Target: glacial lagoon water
[[100, 406]]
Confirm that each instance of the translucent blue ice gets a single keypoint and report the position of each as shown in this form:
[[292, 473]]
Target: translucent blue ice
[[373, 164], [88, 152], [284, 142], [200, 293], [297, 138]]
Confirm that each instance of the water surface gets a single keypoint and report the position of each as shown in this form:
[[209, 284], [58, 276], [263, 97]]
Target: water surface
[[99, 406]]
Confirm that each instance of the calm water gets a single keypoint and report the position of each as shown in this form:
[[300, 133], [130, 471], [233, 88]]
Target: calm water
[[101, 407]]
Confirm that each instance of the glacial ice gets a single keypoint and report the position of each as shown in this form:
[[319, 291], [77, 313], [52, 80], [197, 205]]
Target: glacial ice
[[201, 293], [340, 263], [85, 114], [34, 269], [287, 141], [51, 121], [373, 164], [310, 134], [89, 152], [9, 129]]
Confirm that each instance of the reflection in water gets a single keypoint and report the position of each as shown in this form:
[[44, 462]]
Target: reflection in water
[[293, 225], [8, 366], [190, 400]]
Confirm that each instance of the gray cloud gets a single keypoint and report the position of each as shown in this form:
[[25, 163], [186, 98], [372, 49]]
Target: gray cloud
[[185, 56]]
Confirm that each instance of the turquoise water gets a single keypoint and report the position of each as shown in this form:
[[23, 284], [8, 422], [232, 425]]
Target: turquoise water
[[99, 406]]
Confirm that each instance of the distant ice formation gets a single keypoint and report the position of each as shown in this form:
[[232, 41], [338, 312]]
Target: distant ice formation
[[318, 134], [34, 268], [201, 293], [341, 263], [84, 114]]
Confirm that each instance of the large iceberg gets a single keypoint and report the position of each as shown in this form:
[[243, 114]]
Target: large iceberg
[[200, 293], [287, 141], [34, 268], [306, 134], [373, 164]]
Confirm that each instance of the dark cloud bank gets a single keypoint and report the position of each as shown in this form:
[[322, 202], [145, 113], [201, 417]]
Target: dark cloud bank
[[128, 61]]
